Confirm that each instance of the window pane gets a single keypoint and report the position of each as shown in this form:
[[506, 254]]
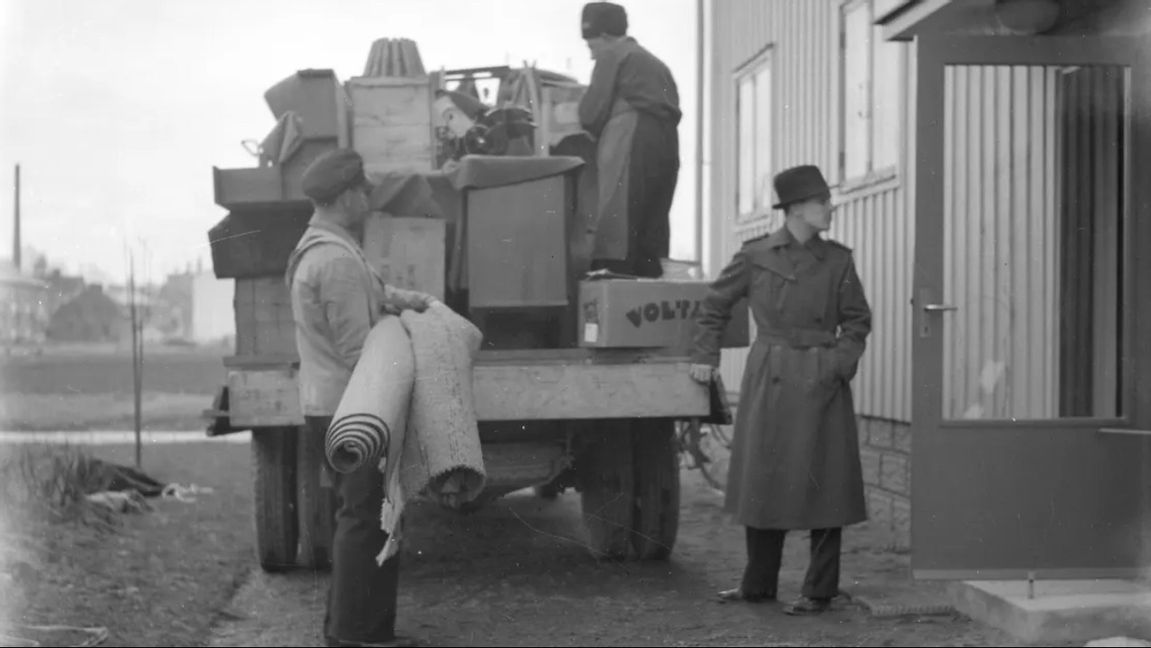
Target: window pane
[[1033, 242], [886, 101], [745, 142], [856, 81], [763, 137]]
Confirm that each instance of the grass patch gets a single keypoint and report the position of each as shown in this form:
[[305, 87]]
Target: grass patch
[[157, 578], [50, 412]]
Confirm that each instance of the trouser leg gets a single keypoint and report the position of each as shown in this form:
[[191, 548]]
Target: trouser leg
[[764, 557], [653, 172], [822, 580], [363, 595]]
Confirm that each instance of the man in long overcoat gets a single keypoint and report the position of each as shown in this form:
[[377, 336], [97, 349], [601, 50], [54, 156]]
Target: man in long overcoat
[[795, 455]]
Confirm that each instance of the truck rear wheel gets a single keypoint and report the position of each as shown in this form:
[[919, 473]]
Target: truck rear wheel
[[274, 463], [656, 458], [629, 475], [606, 489], [316, 503]]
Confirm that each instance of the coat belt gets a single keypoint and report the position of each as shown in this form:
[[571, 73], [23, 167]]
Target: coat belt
[[797, 338]]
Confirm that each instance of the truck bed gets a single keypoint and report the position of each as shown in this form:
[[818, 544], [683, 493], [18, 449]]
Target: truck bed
[[529, 385]]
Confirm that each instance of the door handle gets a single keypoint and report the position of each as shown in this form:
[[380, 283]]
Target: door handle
[[933, 308]]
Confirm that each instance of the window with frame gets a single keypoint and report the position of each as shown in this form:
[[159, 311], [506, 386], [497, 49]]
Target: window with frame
[[872, 95], [753, 139]]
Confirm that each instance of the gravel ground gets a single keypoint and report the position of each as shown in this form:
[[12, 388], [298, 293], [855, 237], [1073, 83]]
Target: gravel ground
[[518, 574]]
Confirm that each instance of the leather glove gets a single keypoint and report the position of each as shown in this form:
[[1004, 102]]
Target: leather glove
[[702, 373]]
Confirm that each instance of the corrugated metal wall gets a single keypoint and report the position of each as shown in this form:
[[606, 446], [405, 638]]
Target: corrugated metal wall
[[804, 38], [1001, 241], [876, 227]]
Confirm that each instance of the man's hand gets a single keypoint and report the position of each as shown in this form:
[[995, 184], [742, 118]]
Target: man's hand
[[400, 300], [702, 373]]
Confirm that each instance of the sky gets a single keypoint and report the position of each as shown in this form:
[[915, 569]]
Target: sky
[[117, 110]]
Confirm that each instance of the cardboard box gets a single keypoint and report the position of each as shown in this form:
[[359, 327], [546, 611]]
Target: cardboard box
[[268, 397], [650, 313], [408, 252]]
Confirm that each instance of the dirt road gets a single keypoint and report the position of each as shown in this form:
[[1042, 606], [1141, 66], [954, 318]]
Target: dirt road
[[517, 574]]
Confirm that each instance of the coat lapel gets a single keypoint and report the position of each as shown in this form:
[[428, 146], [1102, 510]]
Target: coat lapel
[[770, 255]]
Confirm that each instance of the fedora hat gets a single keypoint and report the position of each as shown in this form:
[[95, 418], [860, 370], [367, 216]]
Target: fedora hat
[[798, 184]]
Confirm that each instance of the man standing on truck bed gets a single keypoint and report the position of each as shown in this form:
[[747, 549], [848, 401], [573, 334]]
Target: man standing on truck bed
[[632, 109], [336, 299]]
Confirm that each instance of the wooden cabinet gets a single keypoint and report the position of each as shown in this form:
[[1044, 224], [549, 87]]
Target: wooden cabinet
[[516, 236]]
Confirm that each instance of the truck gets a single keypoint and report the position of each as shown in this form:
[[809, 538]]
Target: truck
[[581, 384]]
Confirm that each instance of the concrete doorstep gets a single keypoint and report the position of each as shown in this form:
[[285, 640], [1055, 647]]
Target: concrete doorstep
[[1061, 611]]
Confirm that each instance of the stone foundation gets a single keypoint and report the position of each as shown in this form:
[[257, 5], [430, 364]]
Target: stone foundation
[[885, 452]]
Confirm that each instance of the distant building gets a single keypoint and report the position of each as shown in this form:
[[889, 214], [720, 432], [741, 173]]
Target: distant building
[[61, 288], [23, 306], [173, 313], [91, 316]]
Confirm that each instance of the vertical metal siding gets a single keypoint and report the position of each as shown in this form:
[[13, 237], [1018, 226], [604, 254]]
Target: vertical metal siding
[[804, 37], [1000, 219], [875, 226]]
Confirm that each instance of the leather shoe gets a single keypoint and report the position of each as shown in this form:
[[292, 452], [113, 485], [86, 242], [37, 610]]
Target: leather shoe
[[737, 594], [807, 606]]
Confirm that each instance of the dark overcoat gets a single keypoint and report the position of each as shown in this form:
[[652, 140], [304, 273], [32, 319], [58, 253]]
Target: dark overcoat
[[795, 450]]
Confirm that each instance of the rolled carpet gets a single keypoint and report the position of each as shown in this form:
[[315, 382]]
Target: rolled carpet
[[442, 452], [441, 455], [371, 418]]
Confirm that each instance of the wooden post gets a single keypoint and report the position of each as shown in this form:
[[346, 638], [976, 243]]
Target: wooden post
[[136, 350]]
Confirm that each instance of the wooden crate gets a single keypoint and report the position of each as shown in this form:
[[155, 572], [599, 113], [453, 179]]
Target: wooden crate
[[257, 243], [392, 123], [559, 116], [408, 252], [264, 324], [319, 100], [264, 397], [241, 188]]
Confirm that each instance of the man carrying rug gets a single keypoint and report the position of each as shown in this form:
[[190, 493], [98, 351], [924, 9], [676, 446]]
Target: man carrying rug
[[336, 299]]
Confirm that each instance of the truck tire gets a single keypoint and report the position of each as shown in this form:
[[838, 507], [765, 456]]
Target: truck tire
[[274, 463], [606, 488], [315, 503], [656, 480]]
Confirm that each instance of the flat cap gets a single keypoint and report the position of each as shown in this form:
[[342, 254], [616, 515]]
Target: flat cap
[[331, 174], [600, 18]]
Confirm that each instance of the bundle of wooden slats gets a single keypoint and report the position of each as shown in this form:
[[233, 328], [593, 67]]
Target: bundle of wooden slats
[[394, 57]]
